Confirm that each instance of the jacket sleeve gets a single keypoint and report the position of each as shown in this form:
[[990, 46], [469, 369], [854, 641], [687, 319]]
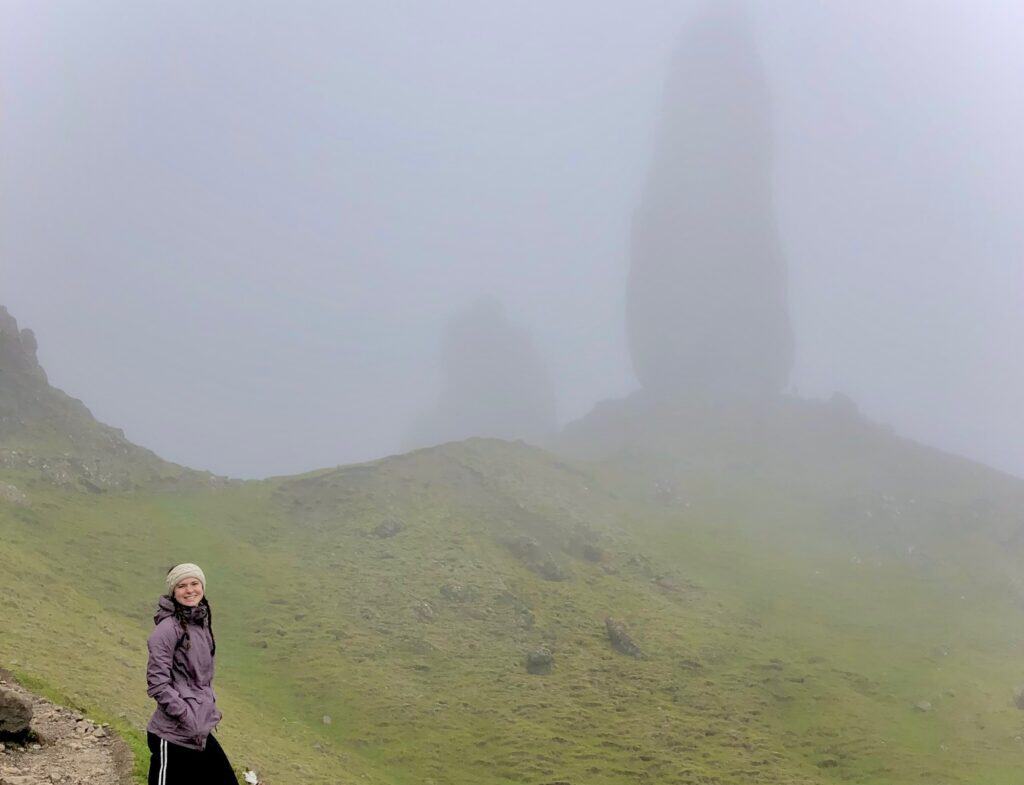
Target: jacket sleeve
[[161, 646]]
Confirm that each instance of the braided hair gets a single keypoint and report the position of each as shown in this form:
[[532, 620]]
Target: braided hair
[[183, 615]]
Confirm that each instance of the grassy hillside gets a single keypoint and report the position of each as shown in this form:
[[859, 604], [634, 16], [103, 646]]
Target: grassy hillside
[[816, 601]]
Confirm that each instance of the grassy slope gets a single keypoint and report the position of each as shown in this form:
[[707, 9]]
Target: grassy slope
[[797, 578], [776, 652]]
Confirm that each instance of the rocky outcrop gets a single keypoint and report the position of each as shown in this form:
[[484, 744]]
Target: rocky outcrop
[[707, 312], [17, 348], [59, 441]]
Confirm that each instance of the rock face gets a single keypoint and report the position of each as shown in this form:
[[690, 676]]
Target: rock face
[[706, 307], [494, 383]]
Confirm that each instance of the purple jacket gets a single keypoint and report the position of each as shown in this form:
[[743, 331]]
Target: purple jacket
[[179, 678]]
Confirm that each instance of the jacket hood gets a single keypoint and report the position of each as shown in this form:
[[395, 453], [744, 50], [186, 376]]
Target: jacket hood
[[165, 609]]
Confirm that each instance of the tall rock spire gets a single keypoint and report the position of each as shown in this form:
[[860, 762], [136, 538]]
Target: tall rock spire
[[495, 382], [706, 307]]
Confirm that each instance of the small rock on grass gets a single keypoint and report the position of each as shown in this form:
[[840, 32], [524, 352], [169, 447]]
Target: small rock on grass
[[620, 638], [539, 661]]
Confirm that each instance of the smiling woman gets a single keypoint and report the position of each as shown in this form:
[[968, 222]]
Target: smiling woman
[[180, 678]]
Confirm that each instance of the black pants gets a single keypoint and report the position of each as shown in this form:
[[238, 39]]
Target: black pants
[[171, 764]]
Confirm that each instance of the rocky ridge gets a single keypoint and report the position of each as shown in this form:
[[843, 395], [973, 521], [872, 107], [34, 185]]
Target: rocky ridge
[[49, 437]]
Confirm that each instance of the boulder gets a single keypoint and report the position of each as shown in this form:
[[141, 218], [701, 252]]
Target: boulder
[[15, 712], [388, 528], [540, 661], [536, 558], [620, 638]]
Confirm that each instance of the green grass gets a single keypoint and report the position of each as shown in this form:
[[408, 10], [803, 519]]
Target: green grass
[[787, 639]]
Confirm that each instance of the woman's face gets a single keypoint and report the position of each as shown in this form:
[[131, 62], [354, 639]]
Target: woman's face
[[189, 592]]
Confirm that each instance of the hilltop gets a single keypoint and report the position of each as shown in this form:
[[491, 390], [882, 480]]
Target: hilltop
[[810, 599]]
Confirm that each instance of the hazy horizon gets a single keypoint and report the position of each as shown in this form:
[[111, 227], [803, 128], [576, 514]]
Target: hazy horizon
[[239, 231]]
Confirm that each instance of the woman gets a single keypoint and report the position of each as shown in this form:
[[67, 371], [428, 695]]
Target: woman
[[179, 673]]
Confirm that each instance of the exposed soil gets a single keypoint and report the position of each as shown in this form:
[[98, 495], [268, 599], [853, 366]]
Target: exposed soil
[[63, 747]]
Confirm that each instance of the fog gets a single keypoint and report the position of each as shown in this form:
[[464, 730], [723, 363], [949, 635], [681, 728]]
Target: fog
[[241, 231]]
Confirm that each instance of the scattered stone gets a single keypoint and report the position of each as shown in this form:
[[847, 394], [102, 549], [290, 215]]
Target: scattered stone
[[326, 719], [666, 583], [388, 528], [551, 570], [424, 611], [525, 618], [525, 548], [11, 494], [540, 661], [620, 638], [923, 706], [583, 543], [1018, 697], [455, 592], [536, 558]]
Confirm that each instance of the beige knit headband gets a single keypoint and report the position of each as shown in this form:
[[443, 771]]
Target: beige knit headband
[[180, 573]]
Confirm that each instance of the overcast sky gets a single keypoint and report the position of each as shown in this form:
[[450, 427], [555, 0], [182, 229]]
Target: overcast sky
[[238, 228]]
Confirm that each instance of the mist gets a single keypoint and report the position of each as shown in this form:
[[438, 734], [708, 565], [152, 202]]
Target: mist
[[239, 232]]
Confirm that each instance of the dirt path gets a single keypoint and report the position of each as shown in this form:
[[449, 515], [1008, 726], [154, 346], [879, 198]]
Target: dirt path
[[68, 749]]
